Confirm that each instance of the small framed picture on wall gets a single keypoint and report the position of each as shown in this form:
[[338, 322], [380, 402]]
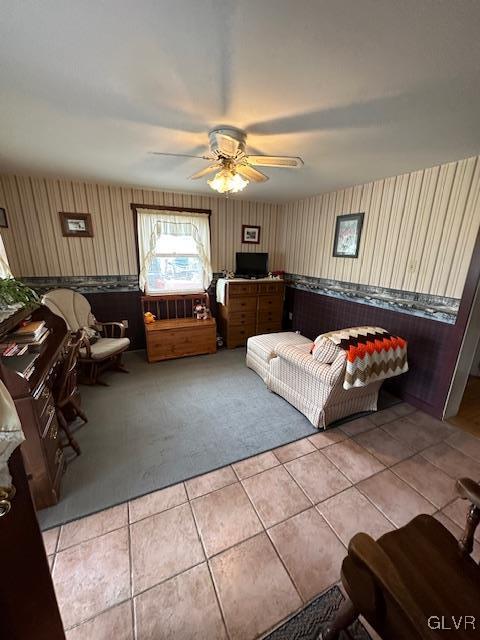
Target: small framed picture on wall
[[348, 231], [3, 218], [76, 225], [250, 234]]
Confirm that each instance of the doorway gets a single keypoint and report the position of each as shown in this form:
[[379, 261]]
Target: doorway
[[463, 403]]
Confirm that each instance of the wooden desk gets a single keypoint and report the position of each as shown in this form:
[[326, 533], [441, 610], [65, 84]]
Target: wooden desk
[[43, 456]]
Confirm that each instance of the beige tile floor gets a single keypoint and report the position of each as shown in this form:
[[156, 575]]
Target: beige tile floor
[[233, 553]]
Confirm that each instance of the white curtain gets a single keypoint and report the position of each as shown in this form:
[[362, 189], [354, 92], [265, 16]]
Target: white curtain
[[152, 223], [4, 266]]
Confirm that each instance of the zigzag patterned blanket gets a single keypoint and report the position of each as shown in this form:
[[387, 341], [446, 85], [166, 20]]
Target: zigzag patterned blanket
[[372, 354]]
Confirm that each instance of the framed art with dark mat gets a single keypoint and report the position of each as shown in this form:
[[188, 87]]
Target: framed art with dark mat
[[348, 231]]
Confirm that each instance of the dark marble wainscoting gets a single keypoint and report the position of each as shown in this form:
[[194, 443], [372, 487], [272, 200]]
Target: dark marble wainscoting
[[430, 342]]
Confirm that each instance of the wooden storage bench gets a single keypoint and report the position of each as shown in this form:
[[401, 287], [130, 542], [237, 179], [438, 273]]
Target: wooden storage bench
[[176, 332]]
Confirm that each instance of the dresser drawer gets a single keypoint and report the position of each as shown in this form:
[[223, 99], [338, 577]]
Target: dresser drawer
[[270, 302], [271, 287], [270, 315], [242, 318], [236, 289], [242, 304], [237, 336], [269, 327]]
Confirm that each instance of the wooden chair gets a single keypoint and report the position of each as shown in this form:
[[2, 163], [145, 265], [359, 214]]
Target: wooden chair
[[95, 357], [65, 392], [416, 583]]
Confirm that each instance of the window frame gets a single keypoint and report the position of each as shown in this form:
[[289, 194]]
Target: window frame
[[155, 207]]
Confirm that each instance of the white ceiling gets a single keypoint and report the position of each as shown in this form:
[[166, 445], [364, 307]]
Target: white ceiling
[[361, 89]]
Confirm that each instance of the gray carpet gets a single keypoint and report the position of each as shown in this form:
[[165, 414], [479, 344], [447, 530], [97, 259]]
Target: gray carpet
[[168, 422]]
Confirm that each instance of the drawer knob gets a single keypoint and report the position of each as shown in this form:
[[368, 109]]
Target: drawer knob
[[6, 495]]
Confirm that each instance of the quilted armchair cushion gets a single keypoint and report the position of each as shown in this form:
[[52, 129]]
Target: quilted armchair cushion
[[106, 347], [325, 351], [326, 373]]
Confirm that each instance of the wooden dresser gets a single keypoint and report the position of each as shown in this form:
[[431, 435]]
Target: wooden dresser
[[176, 332], [42, 454], [250, 308]]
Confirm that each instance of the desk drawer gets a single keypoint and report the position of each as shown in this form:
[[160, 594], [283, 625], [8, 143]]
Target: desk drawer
[[242, 304], [266, 303], [242, 289], [42, 401]]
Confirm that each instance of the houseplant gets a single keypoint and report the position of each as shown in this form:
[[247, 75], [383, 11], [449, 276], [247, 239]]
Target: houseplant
[[15, 295]]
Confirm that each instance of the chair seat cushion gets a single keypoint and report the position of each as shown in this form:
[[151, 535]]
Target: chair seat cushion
[[106, 347], [263, 346], [427, 557]]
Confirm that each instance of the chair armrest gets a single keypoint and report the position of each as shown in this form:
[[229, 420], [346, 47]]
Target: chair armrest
[[109, 329], [371, 557], [469, 490], [297, 355], [85, 344]]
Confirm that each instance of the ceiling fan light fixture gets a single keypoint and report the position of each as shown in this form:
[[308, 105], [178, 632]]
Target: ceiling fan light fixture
[[227, 181]]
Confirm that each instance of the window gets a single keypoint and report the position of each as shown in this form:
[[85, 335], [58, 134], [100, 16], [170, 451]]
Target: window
[[4, 266], [174, 251]]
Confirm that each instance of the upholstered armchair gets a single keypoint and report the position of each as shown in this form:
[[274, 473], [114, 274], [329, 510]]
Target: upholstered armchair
[[313, 383], [97, 353]]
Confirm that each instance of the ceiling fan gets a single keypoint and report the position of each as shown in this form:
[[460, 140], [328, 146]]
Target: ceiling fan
[[233, 166]]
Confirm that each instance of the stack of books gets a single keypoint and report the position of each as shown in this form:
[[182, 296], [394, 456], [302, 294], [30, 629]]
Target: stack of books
[[20, 352], [12, 349], [32, 334], [23, 364]]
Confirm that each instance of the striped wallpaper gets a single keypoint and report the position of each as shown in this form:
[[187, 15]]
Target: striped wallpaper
[[35, 245], [418, 234]]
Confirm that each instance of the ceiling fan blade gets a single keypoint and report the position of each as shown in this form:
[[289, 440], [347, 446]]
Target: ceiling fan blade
[[205, 171], [251, 174], [288, 162], [179, 155]]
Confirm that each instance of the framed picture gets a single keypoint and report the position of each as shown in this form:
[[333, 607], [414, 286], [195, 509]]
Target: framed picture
[[3, 217], [348, 231], [250, 234], [76, 225]]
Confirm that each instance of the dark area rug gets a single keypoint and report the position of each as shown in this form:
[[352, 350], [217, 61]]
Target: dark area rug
[[315, 617]]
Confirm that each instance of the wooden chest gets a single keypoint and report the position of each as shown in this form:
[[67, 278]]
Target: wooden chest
[[251, 308], [167, 339]]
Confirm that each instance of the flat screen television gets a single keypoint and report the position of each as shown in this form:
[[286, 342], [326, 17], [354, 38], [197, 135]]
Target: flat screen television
[[251, 265]]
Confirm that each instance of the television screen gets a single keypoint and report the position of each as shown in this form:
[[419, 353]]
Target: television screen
[[252, 264]]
